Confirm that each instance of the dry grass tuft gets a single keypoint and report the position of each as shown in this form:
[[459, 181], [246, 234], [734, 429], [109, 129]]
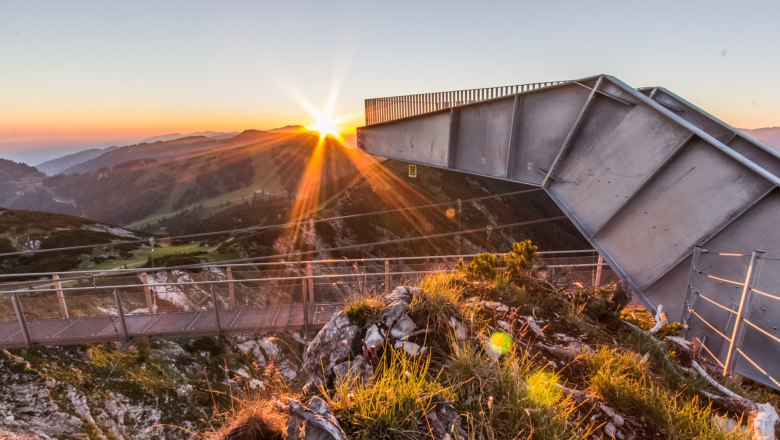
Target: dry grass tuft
[[255, 420]]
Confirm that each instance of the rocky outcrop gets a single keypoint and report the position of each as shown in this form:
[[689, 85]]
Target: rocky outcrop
[[333, 345], [343, 351], [314, 421]]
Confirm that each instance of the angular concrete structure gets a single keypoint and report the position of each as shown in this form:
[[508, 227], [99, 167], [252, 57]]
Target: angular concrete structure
[[644, 175]]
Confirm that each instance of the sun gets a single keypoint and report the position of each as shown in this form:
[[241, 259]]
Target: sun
[[326, 125]]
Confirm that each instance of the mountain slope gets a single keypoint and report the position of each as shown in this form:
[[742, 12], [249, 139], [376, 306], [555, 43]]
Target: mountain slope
[[30, 230], [58, 165], [159, 150], [181, 174], [296, 176], [18, 182], [159, 147]]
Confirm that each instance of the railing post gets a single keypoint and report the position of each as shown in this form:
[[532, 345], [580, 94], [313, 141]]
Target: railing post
[[388, 277], [121, 315], [305, 302], [691, 295], [20, 318], [309, 277], [739, 329], [150, 304], [231, 288], [60, 296], [599, 264], [216, 310]]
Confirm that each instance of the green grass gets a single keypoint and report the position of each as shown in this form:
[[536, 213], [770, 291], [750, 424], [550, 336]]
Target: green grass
[[510, 397], [360, 311], [440, 295], [394, 405], [141, 256], [623, 380]]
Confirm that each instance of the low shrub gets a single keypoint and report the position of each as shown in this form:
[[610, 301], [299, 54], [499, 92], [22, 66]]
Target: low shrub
[[362, 310], [483, 267]]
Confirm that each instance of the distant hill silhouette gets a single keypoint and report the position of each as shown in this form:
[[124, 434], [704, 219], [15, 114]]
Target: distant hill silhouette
[[56, 166], [769, 136]]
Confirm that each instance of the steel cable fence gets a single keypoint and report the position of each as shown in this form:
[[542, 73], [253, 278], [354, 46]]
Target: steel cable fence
[[732, 310], [241, 297]]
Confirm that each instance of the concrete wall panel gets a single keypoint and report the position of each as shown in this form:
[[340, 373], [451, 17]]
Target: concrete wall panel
[[424, 140], [618, 149], [482, 140], [697, 192], [545, 119]]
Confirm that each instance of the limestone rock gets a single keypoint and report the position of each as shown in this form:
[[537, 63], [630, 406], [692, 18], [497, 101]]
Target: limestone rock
[[445, 423], [411, 348], [490, 305], [403, 327], [400, 293], [393, 312], [357, 368], [374, 339], [313, 422], [271, 350], [332, 346], [610, 430]]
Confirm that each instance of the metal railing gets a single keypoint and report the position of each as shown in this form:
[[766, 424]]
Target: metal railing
[[732, 309], [380, 110], [84, 306]]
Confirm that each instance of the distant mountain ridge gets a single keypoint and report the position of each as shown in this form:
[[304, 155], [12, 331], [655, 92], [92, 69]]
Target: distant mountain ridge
[[17, 181], [134, 184], [173, 136], [160, 147], [768, 135], [56, 166], [22, 231]]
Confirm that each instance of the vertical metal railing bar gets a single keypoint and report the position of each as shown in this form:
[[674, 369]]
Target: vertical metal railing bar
[[20, 317], [215, 304], [121, 314], [691, 293], [743, 311]]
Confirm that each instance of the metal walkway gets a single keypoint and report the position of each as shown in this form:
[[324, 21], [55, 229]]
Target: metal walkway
[[191, 324], [643, 174], [82, 307]]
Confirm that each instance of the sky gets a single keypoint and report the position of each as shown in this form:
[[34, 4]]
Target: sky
[[96, 72]]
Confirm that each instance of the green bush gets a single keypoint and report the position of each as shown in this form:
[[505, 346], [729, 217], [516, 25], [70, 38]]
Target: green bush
[[482, 267], [363, 310], [521, 258]]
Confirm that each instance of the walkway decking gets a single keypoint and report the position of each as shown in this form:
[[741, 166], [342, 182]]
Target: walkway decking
[[169, 324]]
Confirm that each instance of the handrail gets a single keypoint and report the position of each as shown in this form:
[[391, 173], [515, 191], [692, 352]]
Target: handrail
[[118, 271], [391, 108]]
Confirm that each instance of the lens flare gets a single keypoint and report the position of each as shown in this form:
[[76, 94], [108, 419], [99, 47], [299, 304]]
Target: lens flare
[[543, 389], [500, 343], [326, 125]]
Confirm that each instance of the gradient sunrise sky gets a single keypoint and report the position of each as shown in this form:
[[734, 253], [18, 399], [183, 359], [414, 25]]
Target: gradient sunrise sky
[[110, 70]]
